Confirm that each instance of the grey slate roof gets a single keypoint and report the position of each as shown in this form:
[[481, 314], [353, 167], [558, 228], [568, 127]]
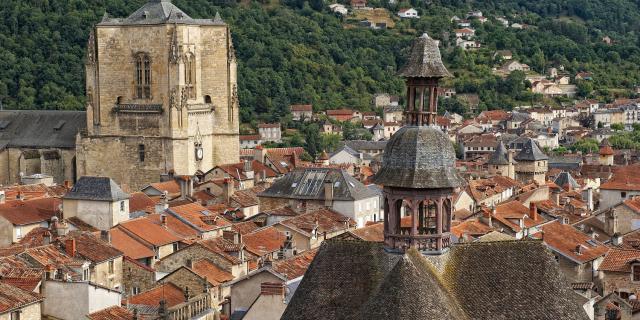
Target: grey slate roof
[[565, 178], [40, 129], [351, 279], [308, 184], [530, 152], [96, 189], [500, 156], [419, 157], [363, 145], [424, 60], [159, 12], [348, 150]]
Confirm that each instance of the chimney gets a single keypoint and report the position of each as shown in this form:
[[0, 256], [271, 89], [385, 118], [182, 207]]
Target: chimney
[[616, 239], [487, 217], [20, 195], [163, 219], [579, 249], [67, 184], [259, 154], [163, 204], [46, 238], [70, 247], [3, 197], [105, 235], [272, 289], [61, 228], [328, 193], [227, 189], [556, 197], [247, 169], [533, 211]]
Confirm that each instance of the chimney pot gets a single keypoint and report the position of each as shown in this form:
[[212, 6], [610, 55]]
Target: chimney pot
[[533, 211], [163, 219], [70, 247], [105, 235]]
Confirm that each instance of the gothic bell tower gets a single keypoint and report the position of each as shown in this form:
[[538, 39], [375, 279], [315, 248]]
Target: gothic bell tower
[[418, 170]]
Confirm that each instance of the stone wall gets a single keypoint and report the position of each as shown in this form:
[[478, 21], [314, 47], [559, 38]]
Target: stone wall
[[193, 253], [245, 292], [29, 312], [100, 274], [619, 282], [185, 278], [133, 275]]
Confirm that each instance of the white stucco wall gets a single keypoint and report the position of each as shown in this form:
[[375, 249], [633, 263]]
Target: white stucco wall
[[74, 300]]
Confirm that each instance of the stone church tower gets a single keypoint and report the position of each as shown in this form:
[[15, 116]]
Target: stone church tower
[[161, 96]]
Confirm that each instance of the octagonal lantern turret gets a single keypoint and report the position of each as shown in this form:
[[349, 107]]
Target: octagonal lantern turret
[[418, 170]]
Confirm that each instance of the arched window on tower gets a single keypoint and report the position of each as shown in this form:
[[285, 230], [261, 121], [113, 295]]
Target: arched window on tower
[[190, 75], [143, 76]]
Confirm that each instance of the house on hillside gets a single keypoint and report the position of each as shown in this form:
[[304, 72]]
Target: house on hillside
[[408, 13], [302, 112], [358, 4]]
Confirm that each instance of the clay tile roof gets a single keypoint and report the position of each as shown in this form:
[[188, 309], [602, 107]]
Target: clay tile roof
[[633, 204], [617, 260], [150, 231], [264, 241], [328, 221], [295, 267], [269, 125], [111, 313], [12, 298], [139, 201], [81, 225], [131, 247], [175, 226], [207, 269], [565, 239], [244, 227], [171, 186], [342, 112], [373, 232], [624, 178], [470, 227], [167, 291], [301, 107], [92, 248], [28, 212], [28, 284], [222, 246], [196, 215]]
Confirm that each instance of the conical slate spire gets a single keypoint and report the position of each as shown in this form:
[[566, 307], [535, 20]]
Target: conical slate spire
[[500, 156], [424, 60], [531, 152]]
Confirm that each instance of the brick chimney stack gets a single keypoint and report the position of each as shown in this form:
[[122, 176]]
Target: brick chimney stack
[[70, 247], [328, 193], [533, 211]]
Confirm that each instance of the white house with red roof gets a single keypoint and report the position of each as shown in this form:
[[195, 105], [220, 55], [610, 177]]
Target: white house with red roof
[[408, 13]]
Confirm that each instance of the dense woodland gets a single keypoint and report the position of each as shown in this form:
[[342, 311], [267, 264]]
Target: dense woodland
[[298, 52]]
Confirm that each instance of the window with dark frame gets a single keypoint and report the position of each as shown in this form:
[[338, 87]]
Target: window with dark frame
[[143, 76], [141, 152]]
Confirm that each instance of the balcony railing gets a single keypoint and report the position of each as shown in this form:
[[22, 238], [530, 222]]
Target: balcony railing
[[421, 242], [198, 307]]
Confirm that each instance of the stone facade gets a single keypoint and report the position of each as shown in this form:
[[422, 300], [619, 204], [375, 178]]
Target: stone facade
[[108, 273], [58, 163], [527, 171], [159, 128], [28, 312], [136, 278], [196, 252]]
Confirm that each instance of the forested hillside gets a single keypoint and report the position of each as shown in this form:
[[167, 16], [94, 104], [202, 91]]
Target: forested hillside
[[299, 52]]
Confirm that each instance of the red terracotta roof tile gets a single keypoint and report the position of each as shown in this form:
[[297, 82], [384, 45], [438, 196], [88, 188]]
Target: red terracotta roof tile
[[171, 186], [624, 178], [207, 269], [301, 107], [131, 247], [30, 211], [150, 231], [111, 313], [28, 284], [373, 232], [264, 241], [167, 291], [295, 267], [91, 248], [470, 227], [139, 201], [12, 298], [244, 227], [565, 239], [327, 221], [618, 260]]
